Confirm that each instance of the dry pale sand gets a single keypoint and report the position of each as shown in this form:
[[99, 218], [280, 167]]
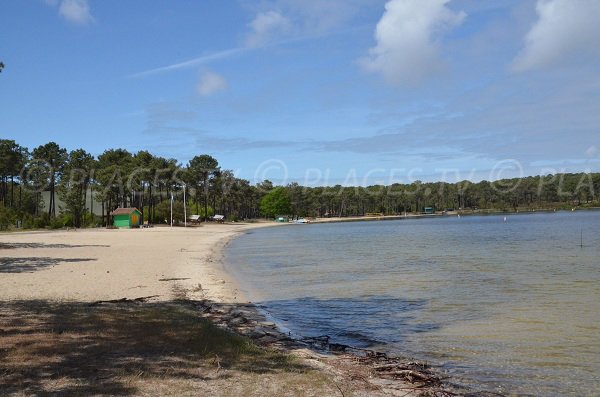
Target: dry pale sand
[[101, 264]]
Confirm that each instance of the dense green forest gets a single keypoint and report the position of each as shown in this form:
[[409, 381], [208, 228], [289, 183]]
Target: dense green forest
[[118, 178]]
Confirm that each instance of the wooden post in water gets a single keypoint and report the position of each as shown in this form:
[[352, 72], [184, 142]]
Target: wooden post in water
[[581, 244]]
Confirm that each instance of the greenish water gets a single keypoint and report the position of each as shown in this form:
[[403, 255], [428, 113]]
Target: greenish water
[[511, 306]]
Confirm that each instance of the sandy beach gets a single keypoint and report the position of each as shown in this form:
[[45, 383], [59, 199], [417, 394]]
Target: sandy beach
[[100, 264]]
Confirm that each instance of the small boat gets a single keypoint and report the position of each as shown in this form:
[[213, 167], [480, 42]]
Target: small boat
[[301, 221]]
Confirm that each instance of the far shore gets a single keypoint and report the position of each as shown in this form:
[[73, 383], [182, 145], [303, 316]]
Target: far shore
[[438, 214]]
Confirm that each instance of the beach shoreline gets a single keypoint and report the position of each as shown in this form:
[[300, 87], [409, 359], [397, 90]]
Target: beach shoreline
[[165, 265]]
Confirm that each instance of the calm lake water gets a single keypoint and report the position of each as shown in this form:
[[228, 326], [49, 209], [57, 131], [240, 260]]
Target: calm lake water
[[512, 307]]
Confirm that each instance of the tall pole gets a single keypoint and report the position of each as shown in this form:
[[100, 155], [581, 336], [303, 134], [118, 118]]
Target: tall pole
[[184, 208], [171, 209]]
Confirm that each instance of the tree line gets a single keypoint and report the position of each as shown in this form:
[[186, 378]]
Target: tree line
[[118, 178], [115, 178]]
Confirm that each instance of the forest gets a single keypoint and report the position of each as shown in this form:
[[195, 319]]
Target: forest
[[79, 182]]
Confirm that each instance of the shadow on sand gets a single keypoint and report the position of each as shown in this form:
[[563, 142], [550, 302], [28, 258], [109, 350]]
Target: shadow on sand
[[31, 264], [43, 245], [55, 348]]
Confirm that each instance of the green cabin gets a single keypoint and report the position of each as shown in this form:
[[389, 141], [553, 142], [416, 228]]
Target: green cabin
[[126, 217], [428, 210]]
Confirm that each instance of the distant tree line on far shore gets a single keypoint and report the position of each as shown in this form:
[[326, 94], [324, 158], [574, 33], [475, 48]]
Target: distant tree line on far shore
[[118, 178]]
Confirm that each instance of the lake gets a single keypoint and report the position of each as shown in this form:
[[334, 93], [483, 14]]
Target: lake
[[511, 306]]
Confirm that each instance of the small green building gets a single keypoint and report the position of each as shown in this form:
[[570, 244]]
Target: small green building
[[126, 217], [428, 210]]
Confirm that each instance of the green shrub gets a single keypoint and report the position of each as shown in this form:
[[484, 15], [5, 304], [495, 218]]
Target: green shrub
[[41, 221], [67, 220], [56, 223], [162, 212], [28, 222], [90, 220], [6, 217], [63, 220]]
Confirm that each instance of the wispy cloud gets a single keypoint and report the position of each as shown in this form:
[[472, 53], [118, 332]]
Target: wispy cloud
[[408, 39], [201, 60], [565, 28], [166, 117], [211, 83], [215, 56], [548, 123], [315, 17], [75, 11], [276, 23], [265, 27], [167, 120], [541, 124]]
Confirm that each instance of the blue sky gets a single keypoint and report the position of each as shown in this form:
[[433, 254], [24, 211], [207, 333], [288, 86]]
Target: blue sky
[[314, 91]]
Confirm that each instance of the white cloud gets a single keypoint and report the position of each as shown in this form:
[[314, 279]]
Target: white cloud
[[265, 26], [75, 11], [211, 83], [592, 151], [408, 39], [563, 29]]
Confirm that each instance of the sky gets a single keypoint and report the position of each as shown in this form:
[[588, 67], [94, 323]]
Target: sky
[[320, 92]]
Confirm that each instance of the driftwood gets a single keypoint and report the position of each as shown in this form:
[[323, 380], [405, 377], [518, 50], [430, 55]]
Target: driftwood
[[409, 371], [420, 375], [124, 300], [411, 376], [395, 365]]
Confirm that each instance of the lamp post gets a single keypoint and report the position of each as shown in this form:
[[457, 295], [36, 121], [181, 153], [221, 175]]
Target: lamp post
[[184, 208]]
